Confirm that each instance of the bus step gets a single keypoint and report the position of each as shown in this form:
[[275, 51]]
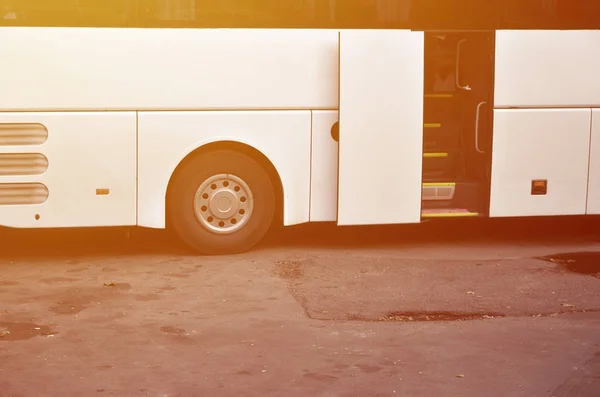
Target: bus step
[[430, 155], [438, 96], [448, 213], [438, 191]]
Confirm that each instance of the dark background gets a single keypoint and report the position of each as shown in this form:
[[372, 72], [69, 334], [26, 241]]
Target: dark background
[[415, 14]]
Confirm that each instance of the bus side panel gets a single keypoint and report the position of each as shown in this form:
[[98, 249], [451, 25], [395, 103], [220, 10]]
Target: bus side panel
[[167, 69], [593, 204], [547, 68], [381, 127], [324, 168], [540, 144], [166, 138], [82, 174]]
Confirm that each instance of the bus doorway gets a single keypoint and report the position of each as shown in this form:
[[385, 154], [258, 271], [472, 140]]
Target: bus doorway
[[457, 129]]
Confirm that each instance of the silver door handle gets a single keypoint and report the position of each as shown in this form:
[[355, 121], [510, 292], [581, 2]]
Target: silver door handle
[[477, 126], [466, 87]]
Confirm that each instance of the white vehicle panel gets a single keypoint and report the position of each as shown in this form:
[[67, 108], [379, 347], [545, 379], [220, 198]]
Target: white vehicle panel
[[167, 69], [86, 152], [593, 203], [324, 168], [166, 138], [547, 68], [540, 144], [381, 127]]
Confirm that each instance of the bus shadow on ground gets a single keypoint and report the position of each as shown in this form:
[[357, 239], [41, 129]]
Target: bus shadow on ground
[[28, 243]]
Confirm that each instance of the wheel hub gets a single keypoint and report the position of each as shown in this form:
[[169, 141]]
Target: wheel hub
[[223, 203]]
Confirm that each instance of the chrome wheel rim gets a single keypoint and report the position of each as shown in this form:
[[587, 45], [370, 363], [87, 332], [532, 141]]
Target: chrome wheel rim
[[223, 204]]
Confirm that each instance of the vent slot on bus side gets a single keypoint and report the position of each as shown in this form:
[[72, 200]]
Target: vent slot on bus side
[[22, 134], [23, 193], [23, 164]]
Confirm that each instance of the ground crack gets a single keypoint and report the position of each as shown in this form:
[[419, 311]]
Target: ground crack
[[420, 317]]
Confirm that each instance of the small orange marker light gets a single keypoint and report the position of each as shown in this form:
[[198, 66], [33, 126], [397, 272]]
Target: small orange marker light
[[539, 187], [102, 192]]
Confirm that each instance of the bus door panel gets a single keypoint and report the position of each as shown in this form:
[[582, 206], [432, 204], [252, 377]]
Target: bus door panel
[[381, 126], [593, 202]]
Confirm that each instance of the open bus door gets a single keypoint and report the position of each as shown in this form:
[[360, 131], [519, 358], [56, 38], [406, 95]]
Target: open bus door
[[381, 126]]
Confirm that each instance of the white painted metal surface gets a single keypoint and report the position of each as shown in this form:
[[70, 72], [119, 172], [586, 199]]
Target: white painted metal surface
[[324, 168], [241, 74], [167, 69], [381, 127], [549, 144], [547, 68], [165, 138], [85, 151], [593, 199]]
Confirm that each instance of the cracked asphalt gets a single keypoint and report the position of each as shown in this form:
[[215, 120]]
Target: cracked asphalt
[[469, 308]]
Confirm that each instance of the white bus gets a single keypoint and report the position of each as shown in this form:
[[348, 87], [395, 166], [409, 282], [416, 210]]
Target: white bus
[[219, 133]]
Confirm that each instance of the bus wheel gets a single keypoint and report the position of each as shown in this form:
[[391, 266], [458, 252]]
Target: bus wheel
[[221, 202]]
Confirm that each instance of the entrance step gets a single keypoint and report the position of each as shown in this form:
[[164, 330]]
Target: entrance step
[[438, 191], [435, 155], [448, 213], [438, 96], [440, 195], [440, 166], [439, 108]]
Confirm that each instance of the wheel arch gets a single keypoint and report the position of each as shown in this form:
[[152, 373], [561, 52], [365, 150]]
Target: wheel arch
[[243, 148]]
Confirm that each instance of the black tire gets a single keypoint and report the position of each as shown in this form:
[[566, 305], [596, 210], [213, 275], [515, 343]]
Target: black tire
[[180, 202]]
